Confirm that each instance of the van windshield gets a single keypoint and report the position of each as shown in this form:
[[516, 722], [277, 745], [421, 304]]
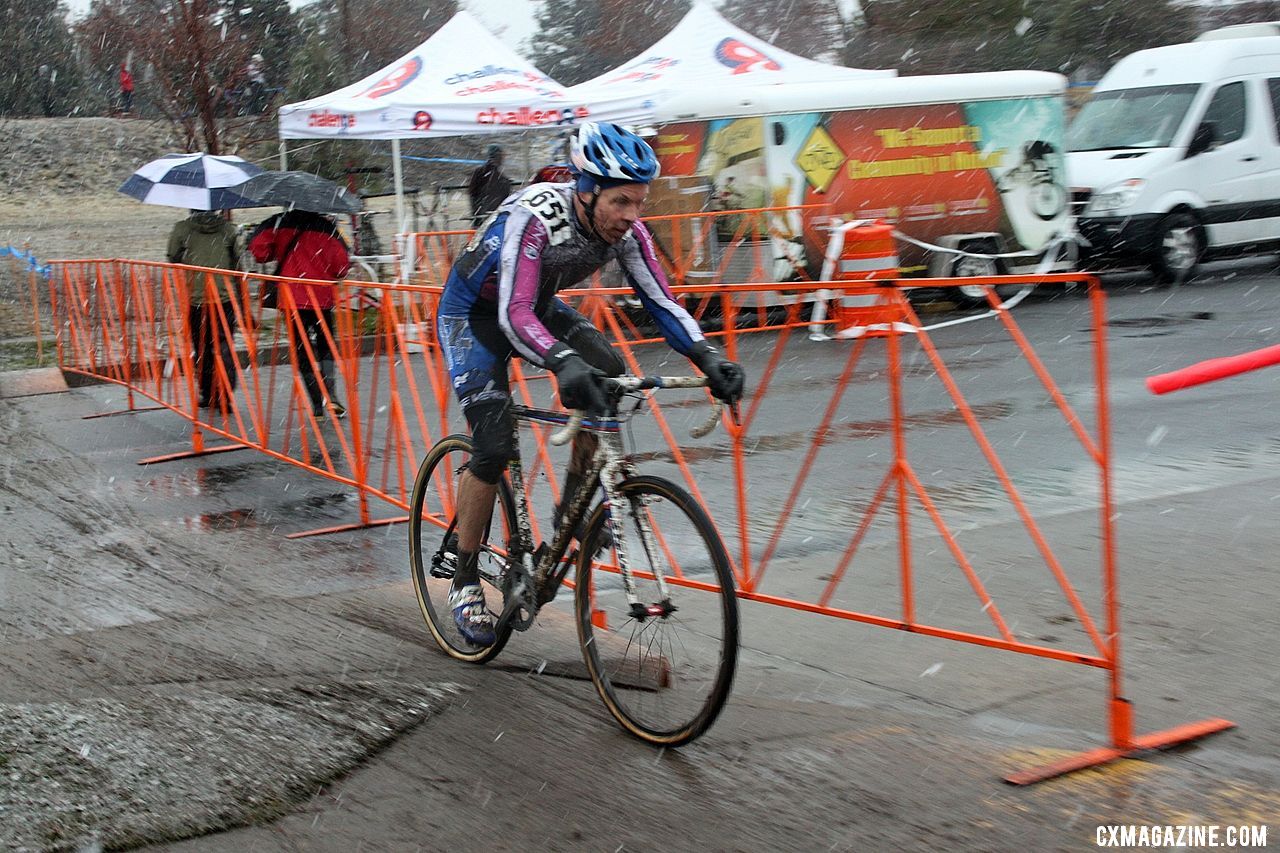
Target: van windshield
[[1131, 118]]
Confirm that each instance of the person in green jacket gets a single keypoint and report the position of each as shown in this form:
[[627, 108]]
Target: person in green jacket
[[207, 239]]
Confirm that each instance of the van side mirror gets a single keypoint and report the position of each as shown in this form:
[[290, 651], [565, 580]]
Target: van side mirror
[[1205, 137]]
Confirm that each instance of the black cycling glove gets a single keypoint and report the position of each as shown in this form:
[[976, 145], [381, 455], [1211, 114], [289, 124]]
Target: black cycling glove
[[725, 378], [579, 382]]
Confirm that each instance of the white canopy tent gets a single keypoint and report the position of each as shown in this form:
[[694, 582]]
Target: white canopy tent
[[462, 80], [707, 60]]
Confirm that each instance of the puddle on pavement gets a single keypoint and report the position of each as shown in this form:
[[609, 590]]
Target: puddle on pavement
[[1175, 319], [846, 431], [328, 507], [197, 481], [1158, 325]]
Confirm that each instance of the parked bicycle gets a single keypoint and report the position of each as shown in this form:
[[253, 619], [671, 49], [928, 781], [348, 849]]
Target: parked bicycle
[[654, 601], [366, 240]]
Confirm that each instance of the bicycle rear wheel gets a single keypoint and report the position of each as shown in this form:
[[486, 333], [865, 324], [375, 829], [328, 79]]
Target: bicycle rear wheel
[[666, 673], [433, 547]]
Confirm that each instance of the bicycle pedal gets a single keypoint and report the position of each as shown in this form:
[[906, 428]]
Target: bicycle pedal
[[443, 565]]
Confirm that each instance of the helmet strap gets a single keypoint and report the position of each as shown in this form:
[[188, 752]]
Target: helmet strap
[[590, 207]]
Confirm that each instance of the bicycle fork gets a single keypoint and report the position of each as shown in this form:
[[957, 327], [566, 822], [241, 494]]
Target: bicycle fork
[[615, 469]]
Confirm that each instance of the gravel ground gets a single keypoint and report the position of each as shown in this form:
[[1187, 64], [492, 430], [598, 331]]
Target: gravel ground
[[110, 774]]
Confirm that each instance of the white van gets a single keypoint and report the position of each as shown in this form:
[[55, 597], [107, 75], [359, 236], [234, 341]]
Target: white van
[[1176, 156]]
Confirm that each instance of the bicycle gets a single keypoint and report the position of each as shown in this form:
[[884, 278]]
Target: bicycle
[[366, 239], [641, 670]]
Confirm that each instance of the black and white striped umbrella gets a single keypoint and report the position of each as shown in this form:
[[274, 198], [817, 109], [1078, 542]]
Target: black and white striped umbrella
[[195, 181]]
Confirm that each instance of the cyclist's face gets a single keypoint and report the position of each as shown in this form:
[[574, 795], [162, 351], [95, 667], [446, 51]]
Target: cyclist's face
[[618, 208]]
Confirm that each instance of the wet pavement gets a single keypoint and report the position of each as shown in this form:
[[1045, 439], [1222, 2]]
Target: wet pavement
[[172, 585]]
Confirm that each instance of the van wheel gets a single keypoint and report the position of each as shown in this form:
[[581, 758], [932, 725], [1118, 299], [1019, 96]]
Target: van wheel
[[1178, 249], [975, 295]]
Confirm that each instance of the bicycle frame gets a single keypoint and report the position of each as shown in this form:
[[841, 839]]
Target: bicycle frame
[[611, 466]]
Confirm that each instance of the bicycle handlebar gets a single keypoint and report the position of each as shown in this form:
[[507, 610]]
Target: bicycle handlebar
[[640, 383]]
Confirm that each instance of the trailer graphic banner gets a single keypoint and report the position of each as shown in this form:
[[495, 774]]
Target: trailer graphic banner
[[934, 170]]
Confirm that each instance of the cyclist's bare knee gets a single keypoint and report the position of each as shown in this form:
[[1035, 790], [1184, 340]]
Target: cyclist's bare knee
[[584, 448]]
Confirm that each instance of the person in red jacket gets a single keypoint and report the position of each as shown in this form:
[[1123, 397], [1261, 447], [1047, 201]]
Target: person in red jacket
[[307, 246], [126, 89]]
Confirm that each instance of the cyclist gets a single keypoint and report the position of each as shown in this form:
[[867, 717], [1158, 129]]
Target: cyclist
[[500, 300]]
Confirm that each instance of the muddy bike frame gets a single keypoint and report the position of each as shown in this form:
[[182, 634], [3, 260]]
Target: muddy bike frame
[[533, 577]]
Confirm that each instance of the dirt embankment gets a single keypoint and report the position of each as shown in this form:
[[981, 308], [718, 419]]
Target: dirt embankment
[[59, 176], [59, 198], [58, 180], [76, 156]]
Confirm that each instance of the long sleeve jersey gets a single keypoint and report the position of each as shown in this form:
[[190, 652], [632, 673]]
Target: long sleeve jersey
[[533, 247]]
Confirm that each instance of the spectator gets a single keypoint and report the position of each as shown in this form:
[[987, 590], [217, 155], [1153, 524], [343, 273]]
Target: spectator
[[253, 70], [256, 88], [47, 77], [126, 89], [488, 186], [207, 239], [307, 245]]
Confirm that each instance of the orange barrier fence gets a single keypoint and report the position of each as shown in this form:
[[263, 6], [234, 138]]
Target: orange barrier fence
[[132, 323], [804, 437]]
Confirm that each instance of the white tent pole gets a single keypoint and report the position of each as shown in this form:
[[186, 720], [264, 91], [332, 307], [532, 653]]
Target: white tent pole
[[284, 155], [403, 243], [399, 180]]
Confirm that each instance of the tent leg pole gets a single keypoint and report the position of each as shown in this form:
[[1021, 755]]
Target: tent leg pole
[[284, 156], [399, 181], [402, 224]]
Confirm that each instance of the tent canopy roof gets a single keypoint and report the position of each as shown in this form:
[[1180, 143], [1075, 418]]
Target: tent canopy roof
[[706, 55], [461, 80], [863, 94]]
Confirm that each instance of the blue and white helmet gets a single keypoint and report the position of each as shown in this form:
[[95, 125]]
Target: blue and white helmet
[[605, 155]]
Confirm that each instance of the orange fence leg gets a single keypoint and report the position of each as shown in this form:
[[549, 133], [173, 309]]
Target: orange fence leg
[[1124, 743]]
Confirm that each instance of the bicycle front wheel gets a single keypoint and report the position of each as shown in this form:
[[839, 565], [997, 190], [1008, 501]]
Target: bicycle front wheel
[[664, 668], [433, 547]]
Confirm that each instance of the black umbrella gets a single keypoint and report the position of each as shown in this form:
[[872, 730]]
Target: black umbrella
[[299, 191]]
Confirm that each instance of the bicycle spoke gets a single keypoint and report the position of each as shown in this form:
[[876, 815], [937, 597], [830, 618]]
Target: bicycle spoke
[[432, 546], [664, 677]]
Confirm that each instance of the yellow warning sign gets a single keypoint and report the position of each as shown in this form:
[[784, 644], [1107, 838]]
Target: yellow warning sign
[[820, 158]]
